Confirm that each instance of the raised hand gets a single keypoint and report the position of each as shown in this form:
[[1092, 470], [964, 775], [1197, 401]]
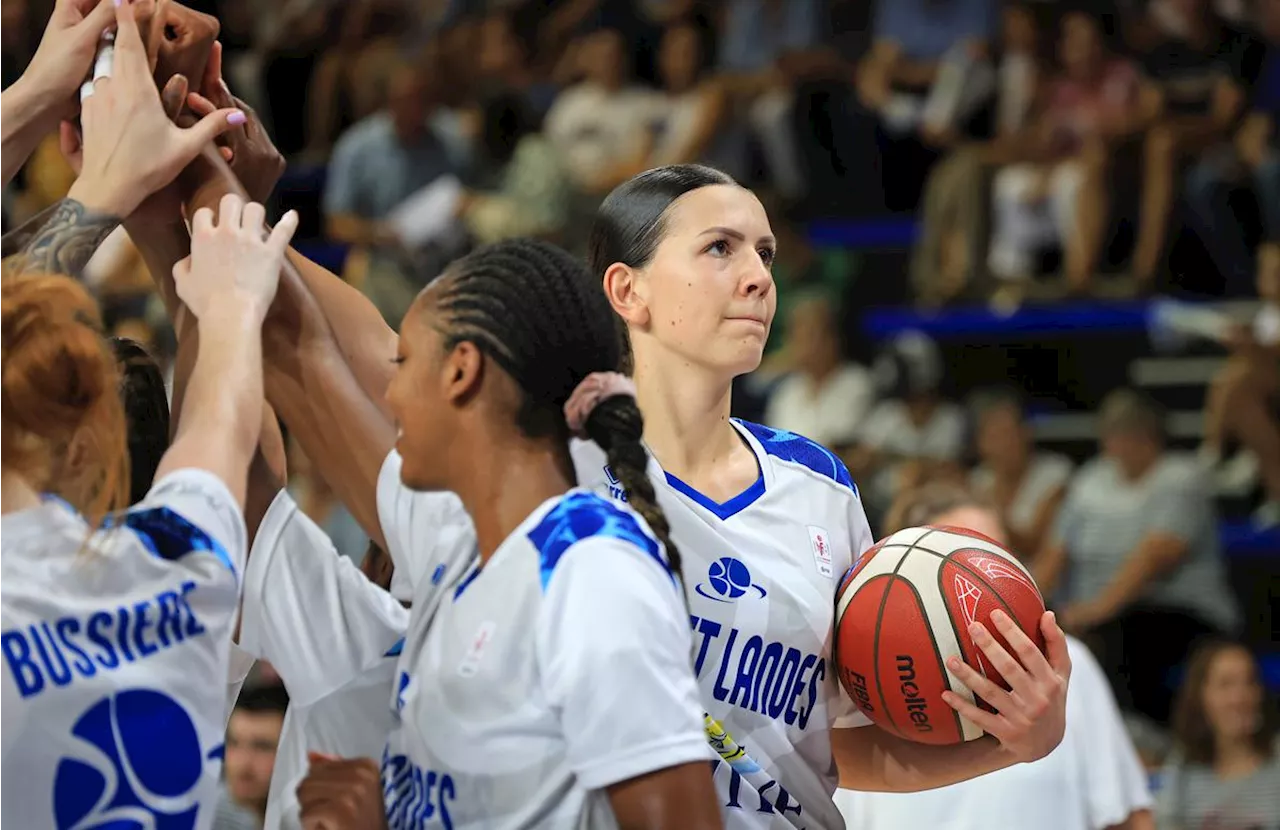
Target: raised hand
[[252, 155], [234, 265], [341, 794], [1031, 716], [64, 56], [131, 148]]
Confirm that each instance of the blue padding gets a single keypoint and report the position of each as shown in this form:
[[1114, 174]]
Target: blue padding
[[1032, 321], [863, 233], [328, 255], [1241, 539]]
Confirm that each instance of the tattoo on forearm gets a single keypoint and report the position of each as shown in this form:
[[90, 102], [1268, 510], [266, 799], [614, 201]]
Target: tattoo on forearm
[[66, 241]]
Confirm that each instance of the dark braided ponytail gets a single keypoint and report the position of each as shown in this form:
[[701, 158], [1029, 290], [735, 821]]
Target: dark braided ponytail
[[537, 312], [618, 427]]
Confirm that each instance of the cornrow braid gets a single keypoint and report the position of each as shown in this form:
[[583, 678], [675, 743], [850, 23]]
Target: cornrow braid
[[537, 312]]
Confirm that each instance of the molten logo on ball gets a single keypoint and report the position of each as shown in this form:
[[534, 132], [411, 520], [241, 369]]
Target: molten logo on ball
[[139, 765], [917, 707]]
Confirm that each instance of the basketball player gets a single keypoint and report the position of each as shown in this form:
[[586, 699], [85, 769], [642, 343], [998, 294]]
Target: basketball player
[[770, 520], [1092, 781], [553, 686]]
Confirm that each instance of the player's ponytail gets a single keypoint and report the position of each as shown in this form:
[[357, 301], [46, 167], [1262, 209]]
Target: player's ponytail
[[63, 424], [617, 426]]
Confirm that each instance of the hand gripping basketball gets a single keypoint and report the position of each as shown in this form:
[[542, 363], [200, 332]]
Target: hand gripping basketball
[[942, 637]]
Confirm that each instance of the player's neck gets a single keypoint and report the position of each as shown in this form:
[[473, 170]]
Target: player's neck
[[686, 419], [517, 480], [15, 493]]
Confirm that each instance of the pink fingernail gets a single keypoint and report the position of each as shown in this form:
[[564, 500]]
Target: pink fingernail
[[118, 3], [236, 117]]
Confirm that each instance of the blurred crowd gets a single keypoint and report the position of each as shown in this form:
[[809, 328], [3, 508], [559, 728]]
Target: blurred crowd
[[1044, 149]]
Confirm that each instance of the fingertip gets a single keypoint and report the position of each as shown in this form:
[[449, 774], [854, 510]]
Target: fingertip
[[237, 117]]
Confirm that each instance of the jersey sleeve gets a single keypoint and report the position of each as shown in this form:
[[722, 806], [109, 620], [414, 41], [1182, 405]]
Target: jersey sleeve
[[309, 611], [615, 649], [1113, 779], [189, 517], [426, 533], [238, 669], [845, 714]]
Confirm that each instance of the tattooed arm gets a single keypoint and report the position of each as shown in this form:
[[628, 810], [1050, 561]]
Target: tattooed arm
[[66, 241]]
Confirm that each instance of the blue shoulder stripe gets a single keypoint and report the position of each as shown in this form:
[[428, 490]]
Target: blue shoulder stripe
[[581, 516], [800, 450], [168, 535]]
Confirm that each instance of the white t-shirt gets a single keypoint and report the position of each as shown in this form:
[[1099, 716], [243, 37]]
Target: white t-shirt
[[594, 128], [1046, 474], [761, 572], [556, 670], [1093, 780], [333, 636], [1266, 326], [832, 413], [115, 648]]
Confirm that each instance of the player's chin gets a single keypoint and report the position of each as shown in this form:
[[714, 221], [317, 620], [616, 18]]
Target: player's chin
[[740, 356], [414, 477]]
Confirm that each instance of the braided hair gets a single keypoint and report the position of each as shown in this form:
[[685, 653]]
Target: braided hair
[[538, 313]]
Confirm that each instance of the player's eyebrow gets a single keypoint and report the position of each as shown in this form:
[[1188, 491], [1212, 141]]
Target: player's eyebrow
[[736, 234]]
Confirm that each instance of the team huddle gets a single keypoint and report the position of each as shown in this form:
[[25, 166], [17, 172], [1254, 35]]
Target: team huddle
[[612, 605]]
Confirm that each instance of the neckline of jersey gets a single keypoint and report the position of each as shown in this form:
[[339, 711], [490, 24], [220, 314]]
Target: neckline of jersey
[[735, 505]]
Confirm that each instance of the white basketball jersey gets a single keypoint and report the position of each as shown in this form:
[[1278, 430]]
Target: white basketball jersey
[[558, 669], [116, 654], [761, 572]]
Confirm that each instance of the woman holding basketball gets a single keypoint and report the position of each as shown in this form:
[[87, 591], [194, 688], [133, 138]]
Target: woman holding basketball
[[767, 521]]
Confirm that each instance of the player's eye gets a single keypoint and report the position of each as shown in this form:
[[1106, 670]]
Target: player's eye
[[719, 248], [398, 359], [767, 255]]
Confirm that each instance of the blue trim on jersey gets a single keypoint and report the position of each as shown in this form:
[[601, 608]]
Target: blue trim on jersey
[[722, 510], [581, 516], [395, 649], [800, 450], [168, 535], [466, 581]]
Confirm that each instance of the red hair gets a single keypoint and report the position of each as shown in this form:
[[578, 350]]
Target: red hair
[[63, 423]]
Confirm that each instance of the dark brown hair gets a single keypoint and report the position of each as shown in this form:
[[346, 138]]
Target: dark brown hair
[[1192, 732]]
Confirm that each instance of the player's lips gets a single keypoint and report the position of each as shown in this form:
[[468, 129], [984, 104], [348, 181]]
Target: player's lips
[[748, 318]]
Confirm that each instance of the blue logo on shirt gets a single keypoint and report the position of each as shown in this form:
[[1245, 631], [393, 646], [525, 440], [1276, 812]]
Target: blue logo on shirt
[[139, 764], [727, 580]]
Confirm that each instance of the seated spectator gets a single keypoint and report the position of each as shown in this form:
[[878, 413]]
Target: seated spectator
[[759, 37], [376, 165], [825, 398], [949, 251], [690, 109], [1197, 73], [1243, 396], [1025, 484], [1225, 768], [602, 125], [1092, 781], [253, 733], [1060, 199], [1251, 159], [914, 435], [926, 75], [504, 63], [531, 196], [1136, 553]]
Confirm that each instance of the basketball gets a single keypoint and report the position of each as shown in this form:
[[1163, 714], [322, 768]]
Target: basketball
[[905, 608]]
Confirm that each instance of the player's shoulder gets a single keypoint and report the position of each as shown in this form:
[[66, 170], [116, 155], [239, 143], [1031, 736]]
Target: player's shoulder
[[583, 518], [187, 511], [798, 454]]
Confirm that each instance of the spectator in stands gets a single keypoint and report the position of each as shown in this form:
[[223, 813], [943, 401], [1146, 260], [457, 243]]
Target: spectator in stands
[[825, 398], [914, 435], [530, 196], [950, 250], [1243, 395], [1251, 159], [691, 108], [602, 125], [1025, 484], [1197, 73], [1060, 199], [925, 76], [377, 164], [1136, 552], [1092, 781], [504, 62], [1225, 769], [253, 732], [759, 35]]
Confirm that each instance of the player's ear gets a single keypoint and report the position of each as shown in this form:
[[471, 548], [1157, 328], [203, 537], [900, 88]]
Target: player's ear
[[626, 289], [462, 373]]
